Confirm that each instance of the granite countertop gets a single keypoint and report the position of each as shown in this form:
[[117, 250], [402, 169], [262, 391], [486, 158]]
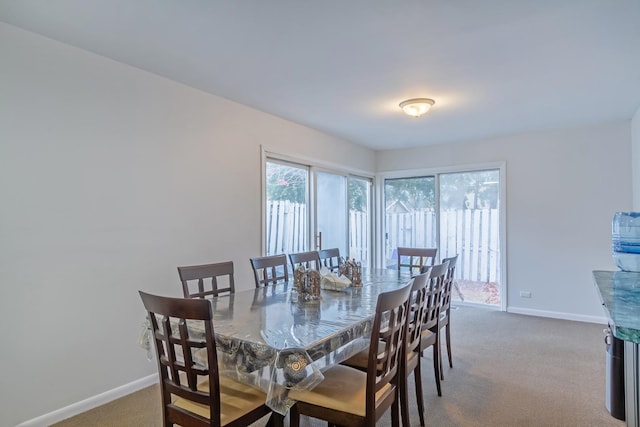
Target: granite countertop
[[620, 296]]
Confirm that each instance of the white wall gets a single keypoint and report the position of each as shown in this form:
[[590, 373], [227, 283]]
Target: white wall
[[110, 177], [563, 188], [635, 158]]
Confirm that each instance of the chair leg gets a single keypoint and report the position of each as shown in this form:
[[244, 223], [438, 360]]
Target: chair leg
[[404, 400], [395, 416], [436, 365], [417, 375], [448, 333], [440, 360], [294, 417]]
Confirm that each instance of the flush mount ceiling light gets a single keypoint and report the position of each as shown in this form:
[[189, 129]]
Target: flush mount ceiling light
[[417, 106]]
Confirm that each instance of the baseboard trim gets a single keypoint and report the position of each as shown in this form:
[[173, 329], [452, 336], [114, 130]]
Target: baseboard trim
[[558, 315], [90, 403]]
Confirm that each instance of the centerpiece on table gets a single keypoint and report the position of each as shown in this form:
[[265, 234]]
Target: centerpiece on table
[[352, 270], [306, 282], [349, 275]]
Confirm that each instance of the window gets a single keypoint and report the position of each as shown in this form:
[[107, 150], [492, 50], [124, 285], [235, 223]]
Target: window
[[308, 207], [457, 212], [331, 211], [359, 200], [469, 219], [286, 208], [410, 215]]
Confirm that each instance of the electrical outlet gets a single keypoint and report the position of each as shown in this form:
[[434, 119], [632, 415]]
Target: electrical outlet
[[525, 294]]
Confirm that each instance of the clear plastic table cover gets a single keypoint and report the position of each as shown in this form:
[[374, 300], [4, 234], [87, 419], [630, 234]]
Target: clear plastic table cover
[[268, 339]]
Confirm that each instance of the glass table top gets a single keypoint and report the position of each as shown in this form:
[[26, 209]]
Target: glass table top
[[267, 338], [620, 296], [272, 315]]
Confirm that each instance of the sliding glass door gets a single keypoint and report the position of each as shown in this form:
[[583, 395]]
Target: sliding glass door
[[458, 213], [286, 208], [469, 217], [311, 208], [331, 211], [360, 230], [410, 215]]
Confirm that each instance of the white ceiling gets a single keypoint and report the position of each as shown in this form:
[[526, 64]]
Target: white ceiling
[[494, 67]]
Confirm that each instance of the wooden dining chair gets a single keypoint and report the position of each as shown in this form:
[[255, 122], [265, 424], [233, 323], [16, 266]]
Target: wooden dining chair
[[269, 270], [430, 333], [411, 362], [211, 279], [330, 258], [445, 308], [307, 259], [349, 397], [416, 258], [417, 307], [193, 394]]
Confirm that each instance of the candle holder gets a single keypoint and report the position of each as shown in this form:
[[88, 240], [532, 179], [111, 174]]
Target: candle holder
[[307, 284], [353, 271]]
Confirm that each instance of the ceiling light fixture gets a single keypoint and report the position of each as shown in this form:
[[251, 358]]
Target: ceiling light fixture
[[417, 106]]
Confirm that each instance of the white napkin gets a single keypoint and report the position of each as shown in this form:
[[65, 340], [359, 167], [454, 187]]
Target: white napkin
[[332, 281]]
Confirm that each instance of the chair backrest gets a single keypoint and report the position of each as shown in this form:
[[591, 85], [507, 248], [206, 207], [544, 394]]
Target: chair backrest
[[307, 259], [445, 303], [416, 258], [330, 258], [386, 347], [269, 270], [437, 277], [417, 306], [452, 266], [437, 281], [211, 273], [438, 274], [176, 345]]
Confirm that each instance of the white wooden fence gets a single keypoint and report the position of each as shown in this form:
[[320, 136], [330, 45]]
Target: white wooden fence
[[471, 233], [286, 227], [287, 222]]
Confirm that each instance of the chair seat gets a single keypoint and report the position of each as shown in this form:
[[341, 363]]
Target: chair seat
[[236, 400], [358, 360], [361, 359], [427, 337], [343, 389]]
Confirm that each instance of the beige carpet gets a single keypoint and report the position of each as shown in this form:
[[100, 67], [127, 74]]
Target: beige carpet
[[508, 370]]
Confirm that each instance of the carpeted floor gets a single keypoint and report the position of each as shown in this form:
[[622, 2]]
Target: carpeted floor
[[509, 370]]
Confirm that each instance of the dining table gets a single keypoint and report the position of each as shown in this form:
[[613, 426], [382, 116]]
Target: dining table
[[270, 338], [273, 339]]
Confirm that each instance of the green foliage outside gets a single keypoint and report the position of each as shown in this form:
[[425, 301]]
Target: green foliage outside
[[412, 193], [286, 183], [469, 190], [464, 190], [290, 183]]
